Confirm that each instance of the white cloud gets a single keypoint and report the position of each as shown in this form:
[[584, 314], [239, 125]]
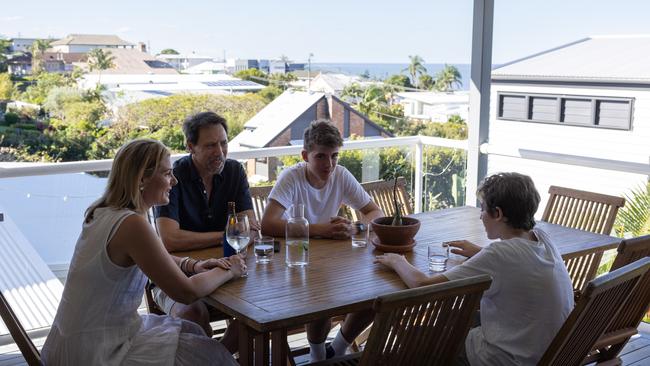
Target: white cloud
[[13, 18]]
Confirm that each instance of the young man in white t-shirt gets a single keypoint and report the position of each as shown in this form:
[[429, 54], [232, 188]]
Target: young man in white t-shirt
[[531, 293], [321, 186]]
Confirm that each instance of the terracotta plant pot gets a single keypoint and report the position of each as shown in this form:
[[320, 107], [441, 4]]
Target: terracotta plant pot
[[395, 235]]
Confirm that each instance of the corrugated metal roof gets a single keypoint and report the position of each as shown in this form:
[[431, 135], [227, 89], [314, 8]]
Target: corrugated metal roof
[[274, 118], [595, 59], [32, 290]]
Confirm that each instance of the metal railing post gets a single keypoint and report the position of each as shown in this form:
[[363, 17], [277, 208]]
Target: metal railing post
[[417, 180]]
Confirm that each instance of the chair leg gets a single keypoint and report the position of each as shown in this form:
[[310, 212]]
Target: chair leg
[[361, 339]]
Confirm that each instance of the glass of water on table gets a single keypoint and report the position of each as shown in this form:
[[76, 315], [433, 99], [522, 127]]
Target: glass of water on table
[[437, 255]]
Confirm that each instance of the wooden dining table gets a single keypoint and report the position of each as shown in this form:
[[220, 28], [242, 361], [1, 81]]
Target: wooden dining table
[[340, 279]]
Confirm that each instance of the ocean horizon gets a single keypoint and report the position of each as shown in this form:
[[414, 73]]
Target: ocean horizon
[[384, 70]]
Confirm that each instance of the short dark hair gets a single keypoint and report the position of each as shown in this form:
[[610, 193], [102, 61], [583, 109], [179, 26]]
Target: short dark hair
[[515, 194], [193, 124], [321, 132]]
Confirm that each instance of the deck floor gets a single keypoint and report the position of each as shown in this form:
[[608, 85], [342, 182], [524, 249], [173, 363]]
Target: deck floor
[[635, 353]]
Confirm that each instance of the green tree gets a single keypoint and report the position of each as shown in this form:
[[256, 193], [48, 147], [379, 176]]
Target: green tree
[[42, 84], [253, 75], [282, 80], [398, 82], [7, 88], [427, 82], [447, 78], [58, 97], [270, 93], [415, 69], [4, 49], [352, 93], [634, 217], [373, 97], [169, 51], [38, 54], [99, 60]]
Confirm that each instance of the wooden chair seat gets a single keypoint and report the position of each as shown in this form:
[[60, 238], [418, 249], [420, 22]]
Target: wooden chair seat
[[626, 323], [260, 197], [601, 302], [587, 211], [434, 318]]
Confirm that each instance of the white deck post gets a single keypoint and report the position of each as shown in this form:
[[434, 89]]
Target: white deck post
[[417, 180], [479, 95]]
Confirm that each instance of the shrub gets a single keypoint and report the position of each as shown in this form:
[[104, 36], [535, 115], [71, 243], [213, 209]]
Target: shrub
[[11, 118]]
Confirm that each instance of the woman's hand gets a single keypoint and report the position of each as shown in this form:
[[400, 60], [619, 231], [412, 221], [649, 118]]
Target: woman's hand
[[237, 266], [390, 260], [208, 264], [464, 247]]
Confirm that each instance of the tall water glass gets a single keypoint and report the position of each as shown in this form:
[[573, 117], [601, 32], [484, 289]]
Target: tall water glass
[[238, 233]]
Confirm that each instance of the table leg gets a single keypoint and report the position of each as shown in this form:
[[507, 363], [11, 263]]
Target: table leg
[[261, 349], [245, 345], [279, 347]]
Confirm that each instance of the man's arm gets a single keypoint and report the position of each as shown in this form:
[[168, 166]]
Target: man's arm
[[371, 211], [274, 224], [176, 239]]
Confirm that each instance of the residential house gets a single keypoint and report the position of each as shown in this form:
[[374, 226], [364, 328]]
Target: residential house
[[20, 64], [589, 98], [434, 106], [183, 62], [22, 44], [82, 43], [283, 122], [332, 83], [234, 65], [63, 62], [207, 67], [132, 61]]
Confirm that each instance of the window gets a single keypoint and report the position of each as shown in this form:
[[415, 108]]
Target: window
[[573, 110]]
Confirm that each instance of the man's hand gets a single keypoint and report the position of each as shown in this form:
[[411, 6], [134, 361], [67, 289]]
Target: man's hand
[[339, 228], [390, 260], [463, 247]]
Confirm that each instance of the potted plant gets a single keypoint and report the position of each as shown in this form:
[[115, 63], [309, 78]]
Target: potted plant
[[395, 234]]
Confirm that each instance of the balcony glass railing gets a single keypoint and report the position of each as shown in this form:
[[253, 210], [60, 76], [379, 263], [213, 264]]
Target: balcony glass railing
[[47, 201]]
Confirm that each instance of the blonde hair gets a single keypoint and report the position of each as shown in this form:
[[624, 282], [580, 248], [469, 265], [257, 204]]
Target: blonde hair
[[135, 160]]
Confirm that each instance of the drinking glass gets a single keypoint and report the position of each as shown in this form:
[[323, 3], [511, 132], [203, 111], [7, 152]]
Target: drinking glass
[[263, 248], [359, 234], [438, 254], [238, 233]]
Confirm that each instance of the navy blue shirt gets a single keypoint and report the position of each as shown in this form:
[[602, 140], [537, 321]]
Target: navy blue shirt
[[189, 204]]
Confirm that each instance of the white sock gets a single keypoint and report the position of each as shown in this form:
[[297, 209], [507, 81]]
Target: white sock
[[340, 344], [316, 351]]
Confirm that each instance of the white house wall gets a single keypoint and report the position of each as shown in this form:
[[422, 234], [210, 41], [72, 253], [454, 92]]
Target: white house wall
[[628, 146]]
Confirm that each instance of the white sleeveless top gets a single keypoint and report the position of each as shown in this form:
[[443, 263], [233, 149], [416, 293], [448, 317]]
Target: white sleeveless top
[[97, 322]]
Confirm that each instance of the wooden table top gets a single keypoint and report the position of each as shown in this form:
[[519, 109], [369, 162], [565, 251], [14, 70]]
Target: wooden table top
[[341, 279]]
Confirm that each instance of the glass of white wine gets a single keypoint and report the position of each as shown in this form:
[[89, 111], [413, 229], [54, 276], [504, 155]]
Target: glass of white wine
[[238, 233]]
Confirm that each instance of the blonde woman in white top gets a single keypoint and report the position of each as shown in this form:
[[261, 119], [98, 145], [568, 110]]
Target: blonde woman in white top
[[97, 322]]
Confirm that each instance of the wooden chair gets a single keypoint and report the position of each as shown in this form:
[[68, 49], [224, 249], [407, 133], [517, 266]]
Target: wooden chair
[[627, 321], [260, 196], [18, 333], [582, 210], [587, 211], [381, 192], [420, 326], [595, 311]]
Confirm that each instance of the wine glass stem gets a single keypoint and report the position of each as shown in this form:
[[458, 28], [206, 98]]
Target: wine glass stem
[[245, 274]]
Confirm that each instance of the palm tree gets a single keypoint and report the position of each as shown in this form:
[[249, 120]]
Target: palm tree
[[447, 78], [100, 60], [415, 69], [352, 93], [38, 52], [373, 97], [634, 217]]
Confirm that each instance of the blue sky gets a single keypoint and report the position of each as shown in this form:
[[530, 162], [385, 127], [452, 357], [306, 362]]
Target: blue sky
[[334, 30]]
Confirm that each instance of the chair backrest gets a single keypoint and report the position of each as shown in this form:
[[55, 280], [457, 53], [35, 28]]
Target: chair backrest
[[582, 210], [381, 192], [260, 196], [582, 267], [434, 318], [598, 306], [18, 333], [627, 321]]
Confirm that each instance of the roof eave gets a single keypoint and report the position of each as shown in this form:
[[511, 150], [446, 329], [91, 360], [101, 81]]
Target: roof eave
[[564, 79]]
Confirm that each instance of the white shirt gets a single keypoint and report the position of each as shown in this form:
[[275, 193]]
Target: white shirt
[[320, 204], [530, 297]]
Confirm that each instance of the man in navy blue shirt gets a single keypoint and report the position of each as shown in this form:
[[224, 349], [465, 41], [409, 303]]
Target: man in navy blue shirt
[[198, 205]]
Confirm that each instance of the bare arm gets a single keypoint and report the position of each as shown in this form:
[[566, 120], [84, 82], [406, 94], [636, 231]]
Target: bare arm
[[135, 242], [411, 276], [274, 224], [176, 239], [371, 211]]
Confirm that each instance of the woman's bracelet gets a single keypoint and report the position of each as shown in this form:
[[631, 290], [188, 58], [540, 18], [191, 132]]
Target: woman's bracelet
[[194, 265], [182, 263]]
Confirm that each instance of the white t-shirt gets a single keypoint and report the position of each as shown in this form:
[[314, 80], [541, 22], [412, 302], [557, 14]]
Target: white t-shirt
[[320, 204], [530, 297]]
